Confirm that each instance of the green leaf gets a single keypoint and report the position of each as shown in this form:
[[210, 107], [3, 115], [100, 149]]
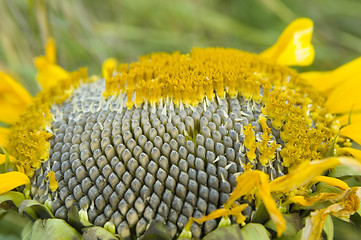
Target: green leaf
[[255, 231], [232, 232], [342, 171], [90, 233], [293, 224], [40, 209], [15, 197], [328, 227], [54, 229]]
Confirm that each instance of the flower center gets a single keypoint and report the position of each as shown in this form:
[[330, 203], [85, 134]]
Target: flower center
[[170, 136]]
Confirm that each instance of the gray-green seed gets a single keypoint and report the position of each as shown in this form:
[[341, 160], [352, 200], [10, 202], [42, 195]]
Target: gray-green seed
[[130, 166]]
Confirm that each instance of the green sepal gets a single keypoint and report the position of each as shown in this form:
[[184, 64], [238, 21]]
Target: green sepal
[[51, 229], [13, 196], [293, 224], [40, 209], [255, 231], [343, 171], [90, 233], [297, 236], [328, 227], [157, 230], [74, 219], [232, 232], [261, 214]]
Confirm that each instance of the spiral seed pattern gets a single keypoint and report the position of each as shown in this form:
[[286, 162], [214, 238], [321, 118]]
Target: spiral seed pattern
[[131, 166]]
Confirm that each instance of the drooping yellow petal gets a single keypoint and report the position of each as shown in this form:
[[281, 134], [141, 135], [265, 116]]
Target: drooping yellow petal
[[49, 73], [352, 131], [307, 171], [293, 47], [345, 97], [315, 222], [326, 81], [270, 204], [11, 180], [13, 99], [331, 181], [344, 119], [108, 67], [345, 207], [354, 152], [246, 182], [4, 133]]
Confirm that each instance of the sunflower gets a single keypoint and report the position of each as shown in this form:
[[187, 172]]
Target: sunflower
[[211, 144]]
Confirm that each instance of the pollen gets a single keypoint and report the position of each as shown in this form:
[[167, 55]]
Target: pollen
[[166, 137]]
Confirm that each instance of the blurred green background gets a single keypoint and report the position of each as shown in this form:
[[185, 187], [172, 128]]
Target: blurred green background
[[87, 32]]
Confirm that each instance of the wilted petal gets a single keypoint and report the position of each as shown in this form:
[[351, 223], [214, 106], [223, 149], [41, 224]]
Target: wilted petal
[[12, 180], [246, 182], [345, 207], [293, 47], [306, 172]]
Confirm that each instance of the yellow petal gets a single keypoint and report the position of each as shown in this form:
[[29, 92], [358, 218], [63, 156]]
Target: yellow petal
[[12, 180], [246, 182], [315, 222], [326, 81], [50, 51], [331, 181], [49, 73], [270, 204], [345, 207], [345, 97], [344, 119], [293, 47], [13, 99], [354, 152], [305, 172], [3, 158], [352, 131], [4, 133], [108, 67]]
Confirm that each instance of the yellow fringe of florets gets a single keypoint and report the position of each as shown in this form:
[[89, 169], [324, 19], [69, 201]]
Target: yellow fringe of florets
[[29, 137], [190, 79]]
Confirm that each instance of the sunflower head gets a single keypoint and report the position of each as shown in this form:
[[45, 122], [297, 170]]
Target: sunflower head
[[183, 143]]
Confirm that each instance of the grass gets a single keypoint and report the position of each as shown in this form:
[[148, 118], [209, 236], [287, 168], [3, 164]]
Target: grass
[[89, 32]]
